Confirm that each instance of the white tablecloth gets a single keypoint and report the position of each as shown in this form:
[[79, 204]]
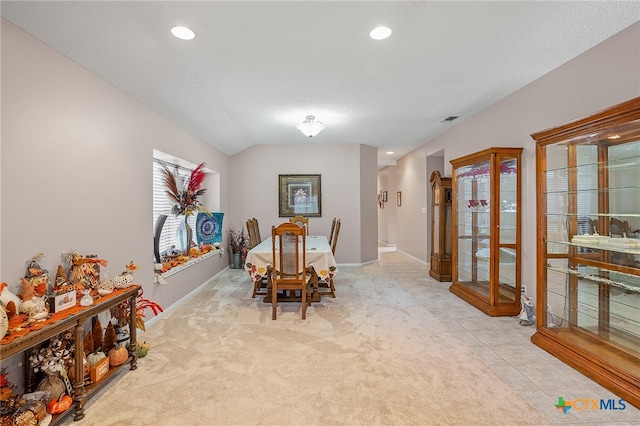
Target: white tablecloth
[[318, 253]]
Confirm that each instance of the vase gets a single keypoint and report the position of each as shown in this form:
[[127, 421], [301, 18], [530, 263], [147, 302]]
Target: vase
[[237, 260], [184, 235]]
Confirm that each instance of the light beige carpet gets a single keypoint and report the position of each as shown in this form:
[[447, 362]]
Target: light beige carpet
[[372, 356]]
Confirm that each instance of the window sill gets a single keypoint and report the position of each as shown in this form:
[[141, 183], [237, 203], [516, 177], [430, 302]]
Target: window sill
[[191, 262]]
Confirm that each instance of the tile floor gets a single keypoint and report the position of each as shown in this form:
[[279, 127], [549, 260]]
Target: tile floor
[[506, 347]]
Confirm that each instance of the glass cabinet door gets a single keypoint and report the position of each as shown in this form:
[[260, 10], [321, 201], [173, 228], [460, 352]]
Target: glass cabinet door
[[507, 227], [473, 225]]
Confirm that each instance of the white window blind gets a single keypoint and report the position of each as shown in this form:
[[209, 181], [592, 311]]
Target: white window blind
[[162, 205]]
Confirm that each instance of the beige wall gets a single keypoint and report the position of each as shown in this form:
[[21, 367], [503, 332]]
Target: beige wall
[[603, 76], [254, 191], [77, 168], [368, 205]]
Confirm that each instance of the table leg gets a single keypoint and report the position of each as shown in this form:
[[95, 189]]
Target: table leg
[[133, 346], [78, 383]]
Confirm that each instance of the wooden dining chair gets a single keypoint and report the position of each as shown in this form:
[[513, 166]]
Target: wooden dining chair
[[288, 266], [335, 231], [259, 286], [253, 230], [257, 231], [251, 234], [301, 221]]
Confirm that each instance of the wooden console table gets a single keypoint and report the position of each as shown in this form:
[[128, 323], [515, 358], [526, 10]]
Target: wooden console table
[[76, 320]]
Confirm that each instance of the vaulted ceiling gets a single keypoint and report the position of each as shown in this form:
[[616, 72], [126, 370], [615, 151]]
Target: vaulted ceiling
[[256, 69]]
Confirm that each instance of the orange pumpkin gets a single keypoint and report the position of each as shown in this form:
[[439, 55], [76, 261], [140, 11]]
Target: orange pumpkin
[[118, 356], [60, 405]]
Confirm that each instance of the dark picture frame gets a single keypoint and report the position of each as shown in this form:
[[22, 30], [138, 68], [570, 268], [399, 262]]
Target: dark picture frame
[[299, 195]]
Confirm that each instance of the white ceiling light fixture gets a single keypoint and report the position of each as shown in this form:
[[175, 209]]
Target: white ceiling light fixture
[[183, 33], [310, 127], [380, 33]]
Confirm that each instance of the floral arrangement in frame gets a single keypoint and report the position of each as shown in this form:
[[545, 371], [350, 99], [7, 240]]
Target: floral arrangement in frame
[[299, 195]]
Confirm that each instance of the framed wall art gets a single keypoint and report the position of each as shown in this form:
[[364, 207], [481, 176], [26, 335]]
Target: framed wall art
[[299, 195]]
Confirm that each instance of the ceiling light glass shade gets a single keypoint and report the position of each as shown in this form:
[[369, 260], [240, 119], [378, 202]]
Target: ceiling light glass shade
[[380, 33], [183, 33], [310, 127]]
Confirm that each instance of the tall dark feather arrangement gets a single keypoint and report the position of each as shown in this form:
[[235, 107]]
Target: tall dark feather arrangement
[[185, 200]]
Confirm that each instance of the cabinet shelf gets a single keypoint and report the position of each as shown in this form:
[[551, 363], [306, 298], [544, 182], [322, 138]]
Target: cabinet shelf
[[632, 284], [593, 214], [628, 188], [631, 162], [588, 250], [634, 251]]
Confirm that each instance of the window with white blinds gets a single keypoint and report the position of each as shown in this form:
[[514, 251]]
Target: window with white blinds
[[162, 205]]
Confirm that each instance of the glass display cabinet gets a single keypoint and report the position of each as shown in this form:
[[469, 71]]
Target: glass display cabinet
[[486, 235], [588, 244], [441, 229]]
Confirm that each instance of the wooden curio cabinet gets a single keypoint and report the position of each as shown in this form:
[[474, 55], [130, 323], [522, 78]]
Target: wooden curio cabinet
[[588, 245], [441, 227], [486, 232]]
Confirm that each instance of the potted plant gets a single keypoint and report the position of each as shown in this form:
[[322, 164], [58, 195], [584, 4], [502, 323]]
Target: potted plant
[[238, 244]]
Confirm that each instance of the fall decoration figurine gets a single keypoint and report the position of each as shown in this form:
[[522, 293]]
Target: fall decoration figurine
[[37, 275], [125, 279], [33, 305]]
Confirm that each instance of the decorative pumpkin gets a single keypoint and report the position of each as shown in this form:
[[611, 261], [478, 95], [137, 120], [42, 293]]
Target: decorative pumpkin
[[123, 280], [95, 358], [60, 405], [142, 351], [118, 356], [145, 345]]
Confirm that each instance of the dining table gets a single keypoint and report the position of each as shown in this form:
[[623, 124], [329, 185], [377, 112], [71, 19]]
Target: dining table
[[319, 259]]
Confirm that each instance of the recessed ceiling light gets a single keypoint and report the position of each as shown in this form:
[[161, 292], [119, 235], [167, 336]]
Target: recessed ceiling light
[[389, 152], [380, 33], [614, 137], [183, 33]]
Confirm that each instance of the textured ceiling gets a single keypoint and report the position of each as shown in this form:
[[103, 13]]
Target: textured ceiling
[[255, 69]]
